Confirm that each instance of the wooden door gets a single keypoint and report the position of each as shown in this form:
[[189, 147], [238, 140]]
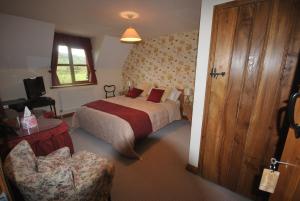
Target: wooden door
[[249, 43], [288, 186]]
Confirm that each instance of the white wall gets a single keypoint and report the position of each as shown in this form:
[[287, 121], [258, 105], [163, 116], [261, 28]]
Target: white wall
[[201, 76], [24, 44], [29, 45], [110, 55]]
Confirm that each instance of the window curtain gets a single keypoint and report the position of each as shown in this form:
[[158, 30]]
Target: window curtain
[[54, 77], [75, 42]]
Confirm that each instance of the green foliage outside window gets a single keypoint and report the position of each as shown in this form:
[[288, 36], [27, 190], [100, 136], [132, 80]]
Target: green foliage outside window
[[65, 64]]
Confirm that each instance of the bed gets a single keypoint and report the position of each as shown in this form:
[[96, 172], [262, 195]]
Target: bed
[[121, 120]]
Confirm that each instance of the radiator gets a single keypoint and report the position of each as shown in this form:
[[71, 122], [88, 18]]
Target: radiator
[[71, 99]]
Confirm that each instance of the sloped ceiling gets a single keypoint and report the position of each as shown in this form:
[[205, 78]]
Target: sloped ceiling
[[99, 17]]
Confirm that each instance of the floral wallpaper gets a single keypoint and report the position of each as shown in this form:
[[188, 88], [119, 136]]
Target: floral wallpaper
[[164, 61]]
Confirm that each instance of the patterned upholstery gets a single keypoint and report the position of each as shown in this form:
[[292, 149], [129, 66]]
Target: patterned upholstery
[[51, 161], [58, 176]]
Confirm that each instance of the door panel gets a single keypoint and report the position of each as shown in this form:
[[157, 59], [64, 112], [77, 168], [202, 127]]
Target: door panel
[[235, 86], [226, 26], [287, 80], [248, 94], [249, 43], [259, 134], [288, 187]]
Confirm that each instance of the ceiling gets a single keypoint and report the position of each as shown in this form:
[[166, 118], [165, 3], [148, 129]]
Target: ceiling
[[98, 17]]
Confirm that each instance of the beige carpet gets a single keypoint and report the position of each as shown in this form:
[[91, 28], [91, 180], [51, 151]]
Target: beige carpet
[[161, 174]]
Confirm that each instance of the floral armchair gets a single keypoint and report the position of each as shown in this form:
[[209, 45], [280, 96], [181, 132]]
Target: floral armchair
[[58, 176]]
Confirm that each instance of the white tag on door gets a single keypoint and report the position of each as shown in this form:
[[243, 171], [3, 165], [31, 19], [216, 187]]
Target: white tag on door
[[269, 180]]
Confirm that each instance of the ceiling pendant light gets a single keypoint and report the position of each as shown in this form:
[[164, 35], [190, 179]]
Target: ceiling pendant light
[[130, 35]]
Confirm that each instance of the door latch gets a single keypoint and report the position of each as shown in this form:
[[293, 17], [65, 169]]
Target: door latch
[[291, 111], [215, 74], [274, 162]]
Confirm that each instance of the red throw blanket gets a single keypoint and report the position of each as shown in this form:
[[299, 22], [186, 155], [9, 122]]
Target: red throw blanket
[[138, 120]]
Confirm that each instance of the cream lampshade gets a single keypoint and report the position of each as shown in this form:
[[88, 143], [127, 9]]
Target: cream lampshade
[[187, 93], [130, 35]]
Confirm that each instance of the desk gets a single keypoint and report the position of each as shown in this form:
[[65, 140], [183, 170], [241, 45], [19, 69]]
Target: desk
[[19, 104], [16, 104]]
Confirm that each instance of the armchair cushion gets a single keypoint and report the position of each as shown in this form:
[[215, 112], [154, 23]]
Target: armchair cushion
[[53, 160], [57, 184], [20, 162], [94, 176], [93, 167]]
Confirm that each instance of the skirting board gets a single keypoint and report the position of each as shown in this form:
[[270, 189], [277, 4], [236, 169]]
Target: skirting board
[[192, 169]]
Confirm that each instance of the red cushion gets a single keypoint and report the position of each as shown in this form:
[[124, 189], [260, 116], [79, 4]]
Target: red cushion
[[155, 95], [134, 92]]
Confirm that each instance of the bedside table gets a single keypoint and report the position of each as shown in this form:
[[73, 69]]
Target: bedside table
[[188, 111]]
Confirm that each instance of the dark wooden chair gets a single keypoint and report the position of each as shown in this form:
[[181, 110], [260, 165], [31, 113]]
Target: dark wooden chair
[[109, 90]]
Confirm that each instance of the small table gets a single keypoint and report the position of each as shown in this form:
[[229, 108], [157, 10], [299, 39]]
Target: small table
[[50, 135]]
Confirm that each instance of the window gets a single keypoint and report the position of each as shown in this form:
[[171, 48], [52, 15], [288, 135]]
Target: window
[[72, 63]]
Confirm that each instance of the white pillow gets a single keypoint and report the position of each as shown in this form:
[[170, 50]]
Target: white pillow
[[174, 95], [166, 94]]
